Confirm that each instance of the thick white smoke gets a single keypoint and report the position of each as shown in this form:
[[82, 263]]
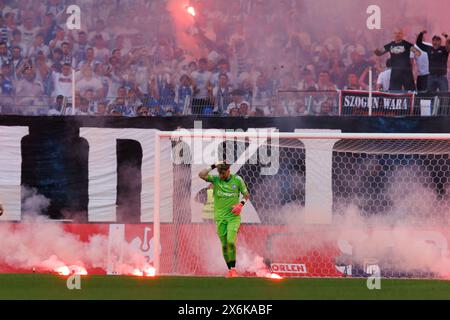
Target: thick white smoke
[[410, 237], [43, 245]]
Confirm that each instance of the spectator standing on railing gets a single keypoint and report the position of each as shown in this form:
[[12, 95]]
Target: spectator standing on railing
[[423, 70], [402, 73], [438, 59]]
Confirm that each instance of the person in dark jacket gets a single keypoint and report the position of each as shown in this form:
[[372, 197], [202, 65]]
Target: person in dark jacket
[[438, 58]]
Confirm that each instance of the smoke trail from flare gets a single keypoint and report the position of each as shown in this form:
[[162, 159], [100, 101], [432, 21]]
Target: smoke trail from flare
[[42, 245]]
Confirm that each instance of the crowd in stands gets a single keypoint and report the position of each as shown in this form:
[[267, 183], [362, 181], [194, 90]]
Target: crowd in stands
[[153, 58]]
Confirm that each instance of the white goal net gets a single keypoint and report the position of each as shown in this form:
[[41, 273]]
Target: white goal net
[[322, 204]]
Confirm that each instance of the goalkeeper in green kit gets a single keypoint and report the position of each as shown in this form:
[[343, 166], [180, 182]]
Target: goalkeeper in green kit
[[227, 209]]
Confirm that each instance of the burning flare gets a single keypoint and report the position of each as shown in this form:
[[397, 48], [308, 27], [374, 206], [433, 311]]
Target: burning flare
[[78, 270], [63, 270], [150, 271], [191, 10], [274, 276]]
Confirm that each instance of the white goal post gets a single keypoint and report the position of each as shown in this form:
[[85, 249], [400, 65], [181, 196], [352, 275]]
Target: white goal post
[[352, 170]]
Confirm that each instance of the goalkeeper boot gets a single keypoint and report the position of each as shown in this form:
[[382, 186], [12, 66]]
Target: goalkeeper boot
[[232, 273]]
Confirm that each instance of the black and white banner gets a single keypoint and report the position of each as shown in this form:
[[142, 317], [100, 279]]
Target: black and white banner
[[392, 104]]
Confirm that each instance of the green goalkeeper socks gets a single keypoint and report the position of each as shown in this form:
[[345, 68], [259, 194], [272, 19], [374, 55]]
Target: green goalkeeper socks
[[231, 264]]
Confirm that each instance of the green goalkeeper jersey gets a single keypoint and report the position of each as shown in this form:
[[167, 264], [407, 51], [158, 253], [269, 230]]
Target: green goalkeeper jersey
[[226, 194]]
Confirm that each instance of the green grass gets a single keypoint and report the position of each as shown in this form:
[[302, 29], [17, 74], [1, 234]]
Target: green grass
[[39, 286]]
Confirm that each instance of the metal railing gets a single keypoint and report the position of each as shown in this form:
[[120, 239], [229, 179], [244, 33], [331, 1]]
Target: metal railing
[[284, 103]]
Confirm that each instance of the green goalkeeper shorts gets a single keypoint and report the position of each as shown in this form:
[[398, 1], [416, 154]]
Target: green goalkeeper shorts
[[227, 230]]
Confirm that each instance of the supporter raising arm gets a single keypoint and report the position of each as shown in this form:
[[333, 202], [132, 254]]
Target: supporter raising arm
[[438, 59], [400, 50]]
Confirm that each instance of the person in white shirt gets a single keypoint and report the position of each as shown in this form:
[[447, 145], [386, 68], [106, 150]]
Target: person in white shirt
[[62, 82], [29, 92], [99, 29], [87, 80], [202, 85], [202, 79], [423, 70], [101, 52], [384, 78], [29, 32]]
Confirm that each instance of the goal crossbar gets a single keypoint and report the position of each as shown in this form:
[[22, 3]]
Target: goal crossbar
[[298, 135]]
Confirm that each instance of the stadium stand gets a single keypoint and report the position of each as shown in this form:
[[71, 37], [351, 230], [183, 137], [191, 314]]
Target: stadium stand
[[149, 58]]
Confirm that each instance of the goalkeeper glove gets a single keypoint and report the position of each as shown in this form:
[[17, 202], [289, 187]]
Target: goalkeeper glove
[[237, 208]]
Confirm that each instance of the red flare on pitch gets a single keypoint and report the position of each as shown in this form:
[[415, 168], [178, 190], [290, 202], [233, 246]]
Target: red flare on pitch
[[63, 271], [150, 272], [78, 270], [137, 273], [274, 276]]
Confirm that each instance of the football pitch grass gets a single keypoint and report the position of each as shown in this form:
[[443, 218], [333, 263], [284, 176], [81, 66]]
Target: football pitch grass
[[48, 287]]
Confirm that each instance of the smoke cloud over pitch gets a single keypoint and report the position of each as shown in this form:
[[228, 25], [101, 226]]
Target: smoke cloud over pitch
[[44, 245]]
